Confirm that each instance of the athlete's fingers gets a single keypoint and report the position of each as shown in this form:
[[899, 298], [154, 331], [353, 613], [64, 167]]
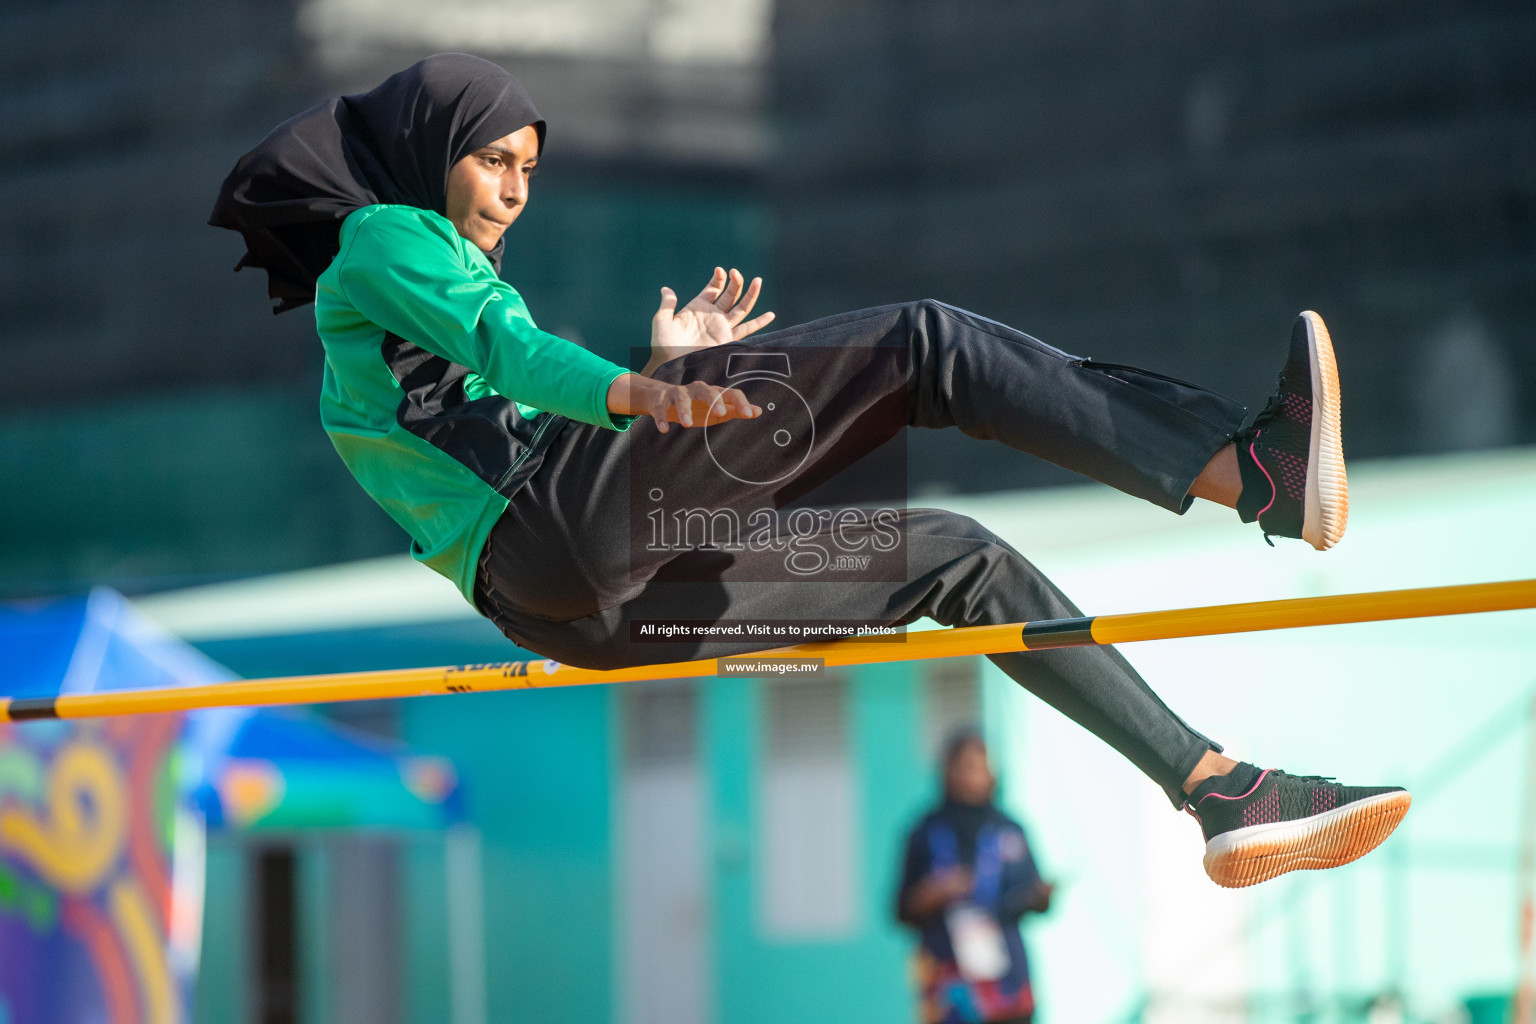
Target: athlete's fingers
[[666, 406], [712, 290], [707, 399], [752, 326], [732, 292], [737, 281], [668, 303], [738, 405], [733, 404], [720, 408], [682, 409], [748, 299], [707, 396]]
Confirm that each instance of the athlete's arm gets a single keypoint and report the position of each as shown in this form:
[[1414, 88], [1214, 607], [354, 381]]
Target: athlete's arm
[[404, 271]]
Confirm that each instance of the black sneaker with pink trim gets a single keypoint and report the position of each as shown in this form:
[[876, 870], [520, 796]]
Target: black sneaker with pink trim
[[1262, 823], [1291, 457]]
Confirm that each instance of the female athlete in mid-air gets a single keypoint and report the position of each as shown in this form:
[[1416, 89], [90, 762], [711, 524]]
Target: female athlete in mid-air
[[513, 459]]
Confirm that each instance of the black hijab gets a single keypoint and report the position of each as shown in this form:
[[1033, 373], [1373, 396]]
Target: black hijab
[[392, 144]]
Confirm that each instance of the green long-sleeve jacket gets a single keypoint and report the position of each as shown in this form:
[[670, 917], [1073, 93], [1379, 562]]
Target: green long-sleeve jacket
[[438, 386]]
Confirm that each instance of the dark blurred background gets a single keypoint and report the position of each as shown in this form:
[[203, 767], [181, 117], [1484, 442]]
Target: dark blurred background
[[1164, 182]]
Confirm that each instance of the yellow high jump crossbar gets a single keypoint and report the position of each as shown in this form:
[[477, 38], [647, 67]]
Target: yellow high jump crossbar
[[942, 643]]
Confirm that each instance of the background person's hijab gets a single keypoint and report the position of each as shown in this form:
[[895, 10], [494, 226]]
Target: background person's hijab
[[392, 144]]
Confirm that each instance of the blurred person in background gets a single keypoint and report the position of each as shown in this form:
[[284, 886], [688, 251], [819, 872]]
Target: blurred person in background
[[507, 453], [967, 879]]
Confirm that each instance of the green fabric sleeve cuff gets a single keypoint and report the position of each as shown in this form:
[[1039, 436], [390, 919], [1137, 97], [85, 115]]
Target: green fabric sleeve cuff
[[611, 420]]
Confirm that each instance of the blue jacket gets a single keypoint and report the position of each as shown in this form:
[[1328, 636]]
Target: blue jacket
[[1006, 879]]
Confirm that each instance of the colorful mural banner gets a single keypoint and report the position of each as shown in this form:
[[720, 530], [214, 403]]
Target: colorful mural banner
[[93, 925]]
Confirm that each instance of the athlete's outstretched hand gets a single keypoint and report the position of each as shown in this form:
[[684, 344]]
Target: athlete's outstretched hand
[[716, 316], [693, 405]]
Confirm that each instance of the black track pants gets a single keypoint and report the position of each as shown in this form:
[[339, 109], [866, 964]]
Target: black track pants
[[582, 553]]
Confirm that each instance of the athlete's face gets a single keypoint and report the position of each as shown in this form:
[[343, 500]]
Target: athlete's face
[[969, 778], [489, 188]]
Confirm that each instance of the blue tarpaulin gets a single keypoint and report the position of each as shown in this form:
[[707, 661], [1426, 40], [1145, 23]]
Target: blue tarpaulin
[[102, 821], [243, 768]]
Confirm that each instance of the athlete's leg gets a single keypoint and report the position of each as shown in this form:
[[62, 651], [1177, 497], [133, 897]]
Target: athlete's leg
[[1149, 435], [1258, 824], [960, 574], [866, 374]]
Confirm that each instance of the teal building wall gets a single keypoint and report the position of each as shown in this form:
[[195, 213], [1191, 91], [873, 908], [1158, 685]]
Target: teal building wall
[[543, 772], [539, 771], [862, 975]]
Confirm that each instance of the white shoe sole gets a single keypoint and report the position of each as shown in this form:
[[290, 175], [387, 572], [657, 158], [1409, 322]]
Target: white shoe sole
[[1248, 856], [1327, 501]]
